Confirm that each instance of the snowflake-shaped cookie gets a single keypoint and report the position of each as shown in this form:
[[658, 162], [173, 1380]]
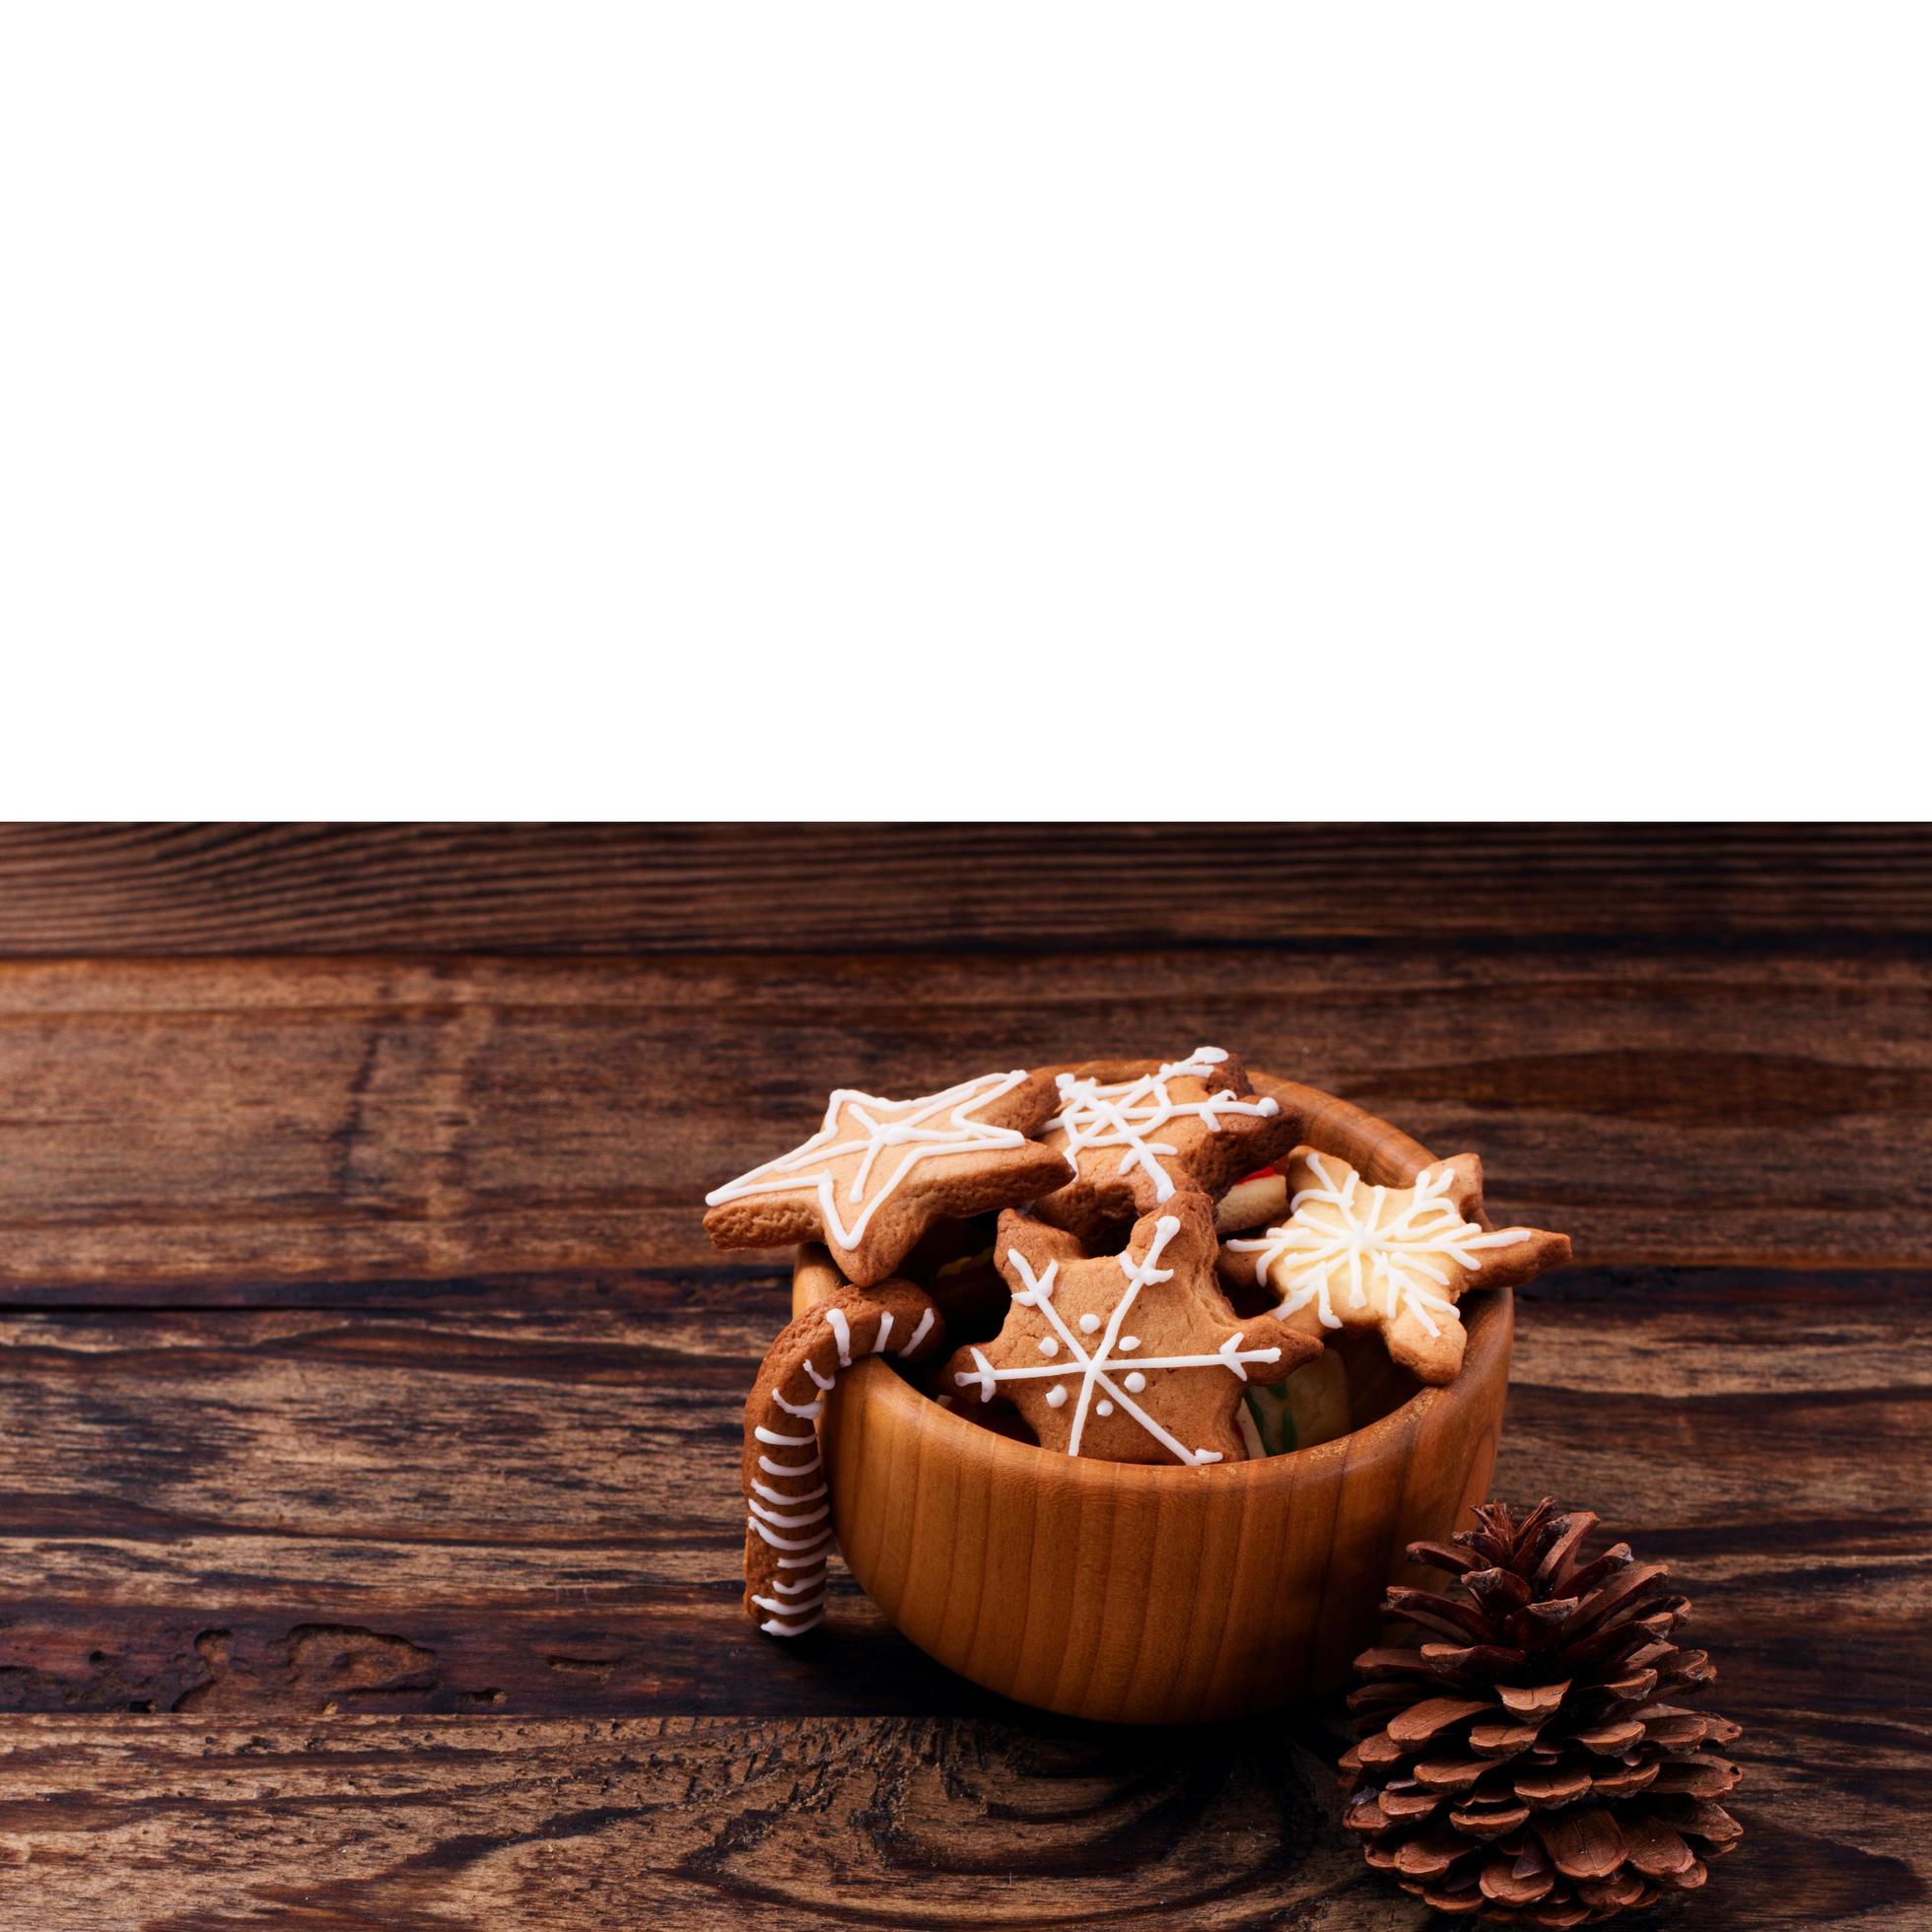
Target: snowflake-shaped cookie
[[1395, 1258], [878, 1173], [1135, 1358], [1133, 1136]]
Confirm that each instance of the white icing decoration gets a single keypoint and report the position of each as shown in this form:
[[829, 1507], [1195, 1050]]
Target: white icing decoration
[[1129, 1343], [841, 1334], [779, 1522], [1128, 1113], [918, 1333], [1135, 1383], [783, 1441], [886, 1329], [877, 1125], [824, 1381], [787, 1543], [785, 1608], [788, 1469], [1092, 1368], [1089, 1322], [1334, 1241], [982, 1377], [804, 1410], [1048, 1345], [770, 1495]]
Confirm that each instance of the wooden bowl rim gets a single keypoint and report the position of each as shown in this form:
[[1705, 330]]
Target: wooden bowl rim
[[1489, 1329]]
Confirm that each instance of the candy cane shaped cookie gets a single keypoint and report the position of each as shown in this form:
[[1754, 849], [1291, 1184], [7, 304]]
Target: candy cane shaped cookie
[[787, 1533]]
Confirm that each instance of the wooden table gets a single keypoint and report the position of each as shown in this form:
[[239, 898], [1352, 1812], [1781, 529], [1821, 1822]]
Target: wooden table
[[371, 1396]]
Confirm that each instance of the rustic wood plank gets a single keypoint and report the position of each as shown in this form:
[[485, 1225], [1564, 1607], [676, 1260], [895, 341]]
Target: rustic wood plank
[[313, 1533], [176, 1122], [432, 1827], [386, 1825], [158, 889], [297, 1511], [289, 1511]]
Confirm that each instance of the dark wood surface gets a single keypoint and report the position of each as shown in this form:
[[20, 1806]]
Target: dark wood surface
[[172, 889], [370, 1397]]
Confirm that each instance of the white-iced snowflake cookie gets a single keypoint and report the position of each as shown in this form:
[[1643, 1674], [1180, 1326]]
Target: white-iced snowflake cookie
[[1134, 1358], [1350, 1255], [1134, 1134]]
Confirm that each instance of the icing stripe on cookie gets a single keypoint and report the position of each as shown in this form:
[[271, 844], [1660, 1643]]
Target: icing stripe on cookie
[[779, 1522], [841, 1333], [770, 1495]]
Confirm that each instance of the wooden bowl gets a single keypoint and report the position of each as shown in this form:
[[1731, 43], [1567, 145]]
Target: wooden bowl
[[1157, 1595]]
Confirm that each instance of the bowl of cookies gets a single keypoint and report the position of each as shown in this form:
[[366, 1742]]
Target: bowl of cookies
[[1121, 1387]]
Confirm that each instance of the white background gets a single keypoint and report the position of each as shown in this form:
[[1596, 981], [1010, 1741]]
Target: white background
[[976, 410]]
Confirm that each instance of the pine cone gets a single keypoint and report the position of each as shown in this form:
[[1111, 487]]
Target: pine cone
[[1526, 1761]]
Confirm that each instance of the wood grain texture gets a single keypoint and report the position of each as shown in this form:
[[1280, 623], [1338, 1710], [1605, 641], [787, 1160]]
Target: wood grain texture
[[186, 1125], [370, 1545], [392, 1824], [295, 1529], [535, 1510], [179, 889]]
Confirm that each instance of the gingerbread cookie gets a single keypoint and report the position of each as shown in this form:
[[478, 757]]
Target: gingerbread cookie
[[1135, 1358], [879, 1172], [1132, 1141], [787, 1531], [1393, 1259]]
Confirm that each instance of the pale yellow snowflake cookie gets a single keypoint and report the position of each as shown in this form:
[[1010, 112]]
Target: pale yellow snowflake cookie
[[1350, 1255]]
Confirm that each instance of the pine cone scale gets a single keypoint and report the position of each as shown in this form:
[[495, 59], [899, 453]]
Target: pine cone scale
[[1488, 1657], [1534, 1700], [1419, 1723], [1518, 1880], [1451, 1774], [1502, 1740], [1612, 1740], [1582, 1843], [1486, 1817], [1551, 1790], [1656, 1850]]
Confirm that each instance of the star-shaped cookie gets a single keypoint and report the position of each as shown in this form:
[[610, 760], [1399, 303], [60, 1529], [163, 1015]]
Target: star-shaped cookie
[[1134, 1135], [1395, 1258], [1135, 1358], [878, 1173]]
